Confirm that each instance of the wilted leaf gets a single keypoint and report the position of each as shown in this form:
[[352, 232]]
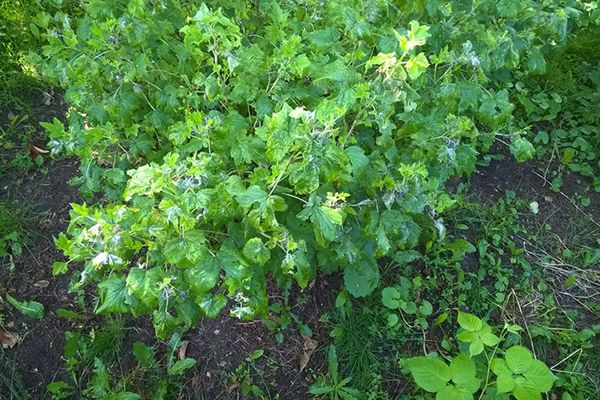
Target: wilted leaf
[[42, 284], [183, 349], [35, 151], [8, 339], [309, 347]]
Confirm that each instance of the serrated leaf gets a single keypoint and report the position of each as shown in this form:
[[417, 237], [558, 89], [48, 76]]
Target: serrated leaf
[[453, 393], [469, 322], [416, 66], [489, 339], [525, 390], [143, 285], [203, 276], [181, 366], [462, 370], [32, 309], [255, 251], [114, 296], [212, 305], [540, 376], [325, 219], [251, 196], [522, 149], [505, 383], [518, 359], [431, 374]]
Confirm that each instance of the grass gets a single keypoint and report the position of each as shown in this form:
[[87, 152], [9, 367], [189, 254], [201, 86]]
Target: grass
[[17, 82], [11, 385]]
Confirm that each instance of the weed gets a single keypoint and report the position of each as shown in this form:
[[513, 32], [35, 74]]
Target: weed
[[14, 233], [332, 386]]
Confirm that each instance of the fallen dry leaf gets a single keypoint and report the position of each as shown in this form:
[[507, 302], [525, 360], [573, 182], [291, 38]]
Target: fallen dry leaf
[[183, 349], [8, 339], [308, 348], [35, 151], [231, 388], [42, 284], [548, 199]]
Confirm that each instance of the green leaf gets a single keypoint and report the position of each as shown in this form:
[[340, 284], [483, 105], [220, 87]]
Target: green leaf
[[392, 320], [525, 390], [540, 376], [204, 276], [255, 251], [144, 354], [186, 251], [416, 36], [181, 366], [326, 219], [469, 322], [64, 313], [453, 393], [462, 370], [114, 296], [56, 129], [430, 374], [391, 297], [536, 62], [505, 383], [518, 359], [425, 308], [144, 285], [59, 268], [332, 363], [416, 66], [466, 336], [212, 305], [489, 339], [124, 396], [476, 347], [32, 309], [522, 149], [509, 8], [361, 278], [250, 196]]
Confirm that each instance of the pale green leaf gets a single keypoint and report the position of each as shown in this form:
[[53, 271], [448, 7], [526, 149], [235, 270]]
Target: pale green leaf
[[505, 383], [469, 322], [518, 359], [540, 376], [525, 390], [476, 347], [431, 374], [462, 369]]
